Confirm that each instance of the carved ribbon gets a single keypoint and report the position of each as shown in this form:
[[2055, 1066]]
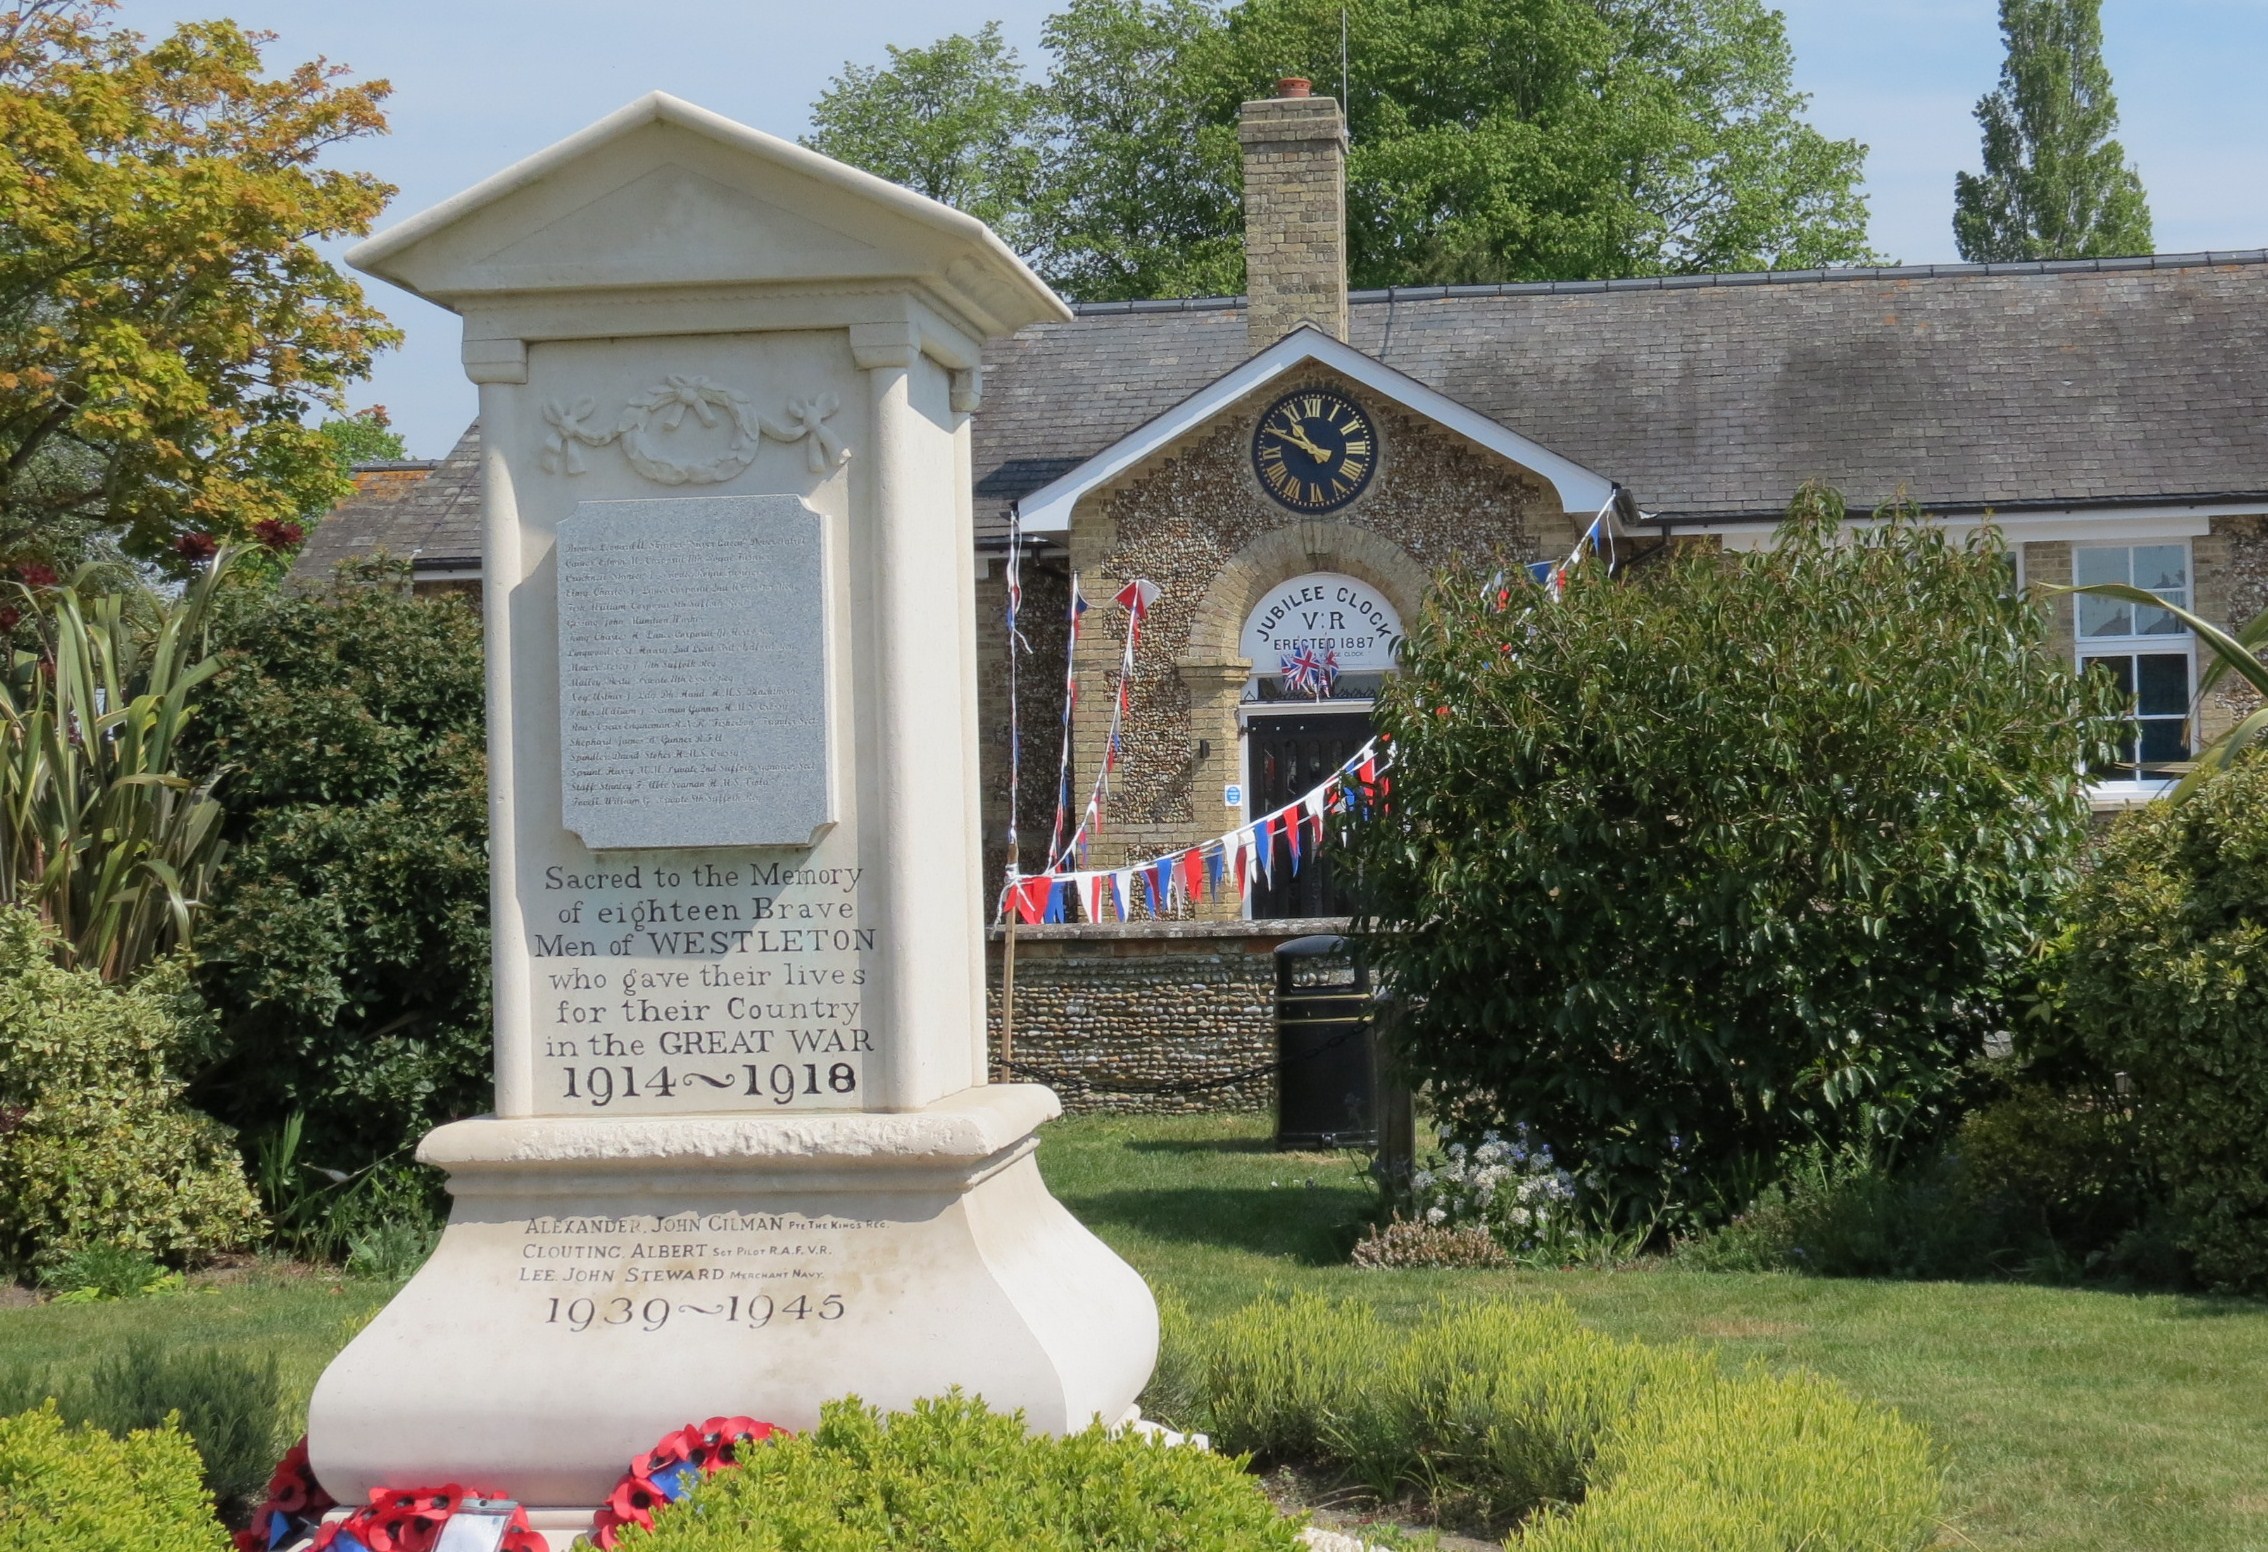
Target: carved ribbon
[[570, 434], [663, 406]]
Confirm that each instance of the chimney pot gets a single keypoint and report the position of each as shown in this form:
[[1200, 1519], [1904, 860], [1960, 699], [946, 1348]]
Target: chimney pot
[[1294, 86]]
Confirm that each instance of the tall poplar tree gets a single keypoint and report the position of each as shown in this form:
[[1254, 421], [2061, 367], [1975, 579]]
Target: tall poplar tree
[[2055, 184]]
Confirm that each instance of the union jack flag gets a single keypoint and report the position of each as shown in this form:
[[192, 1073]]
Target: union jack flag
[[1309, 672]]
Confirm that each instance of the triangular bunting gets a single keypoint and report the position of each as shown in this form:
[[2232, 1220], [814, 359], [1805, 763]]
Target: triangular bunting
[[1029, 899]]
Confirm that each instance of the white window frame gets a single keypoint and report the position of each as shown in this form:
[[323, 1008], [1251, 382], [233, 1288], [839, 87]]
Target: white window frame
[[2128, 792]]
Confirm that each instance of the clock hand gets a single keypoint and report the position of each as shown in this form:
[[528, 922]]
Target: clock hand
[[1293, 434]]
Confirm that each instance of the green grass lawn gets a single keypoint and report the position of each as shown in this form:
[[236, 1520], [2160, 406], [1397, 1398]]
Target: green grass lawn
[[2070, 1419]]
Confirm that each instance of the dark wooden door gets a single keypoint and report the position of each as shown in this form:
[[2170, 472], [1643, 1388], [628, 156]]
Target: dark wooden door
[[1286, 758]]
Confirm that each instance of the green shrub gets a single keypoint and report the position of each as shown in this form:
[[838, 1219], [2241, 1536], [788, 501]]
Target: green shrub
[[2165, 979], [1725, 856], [1175, 1392], [2066, 1163], [950, 1476], [1844, 1215], [2040, 1183], [231, 1406], [392, 1251], [80, 1490], [1402, 1243], [101, 833], [346, 948], [93, 1273], [99, 1148], [1755, 1464], [1490, 1411], [1504, 1414]]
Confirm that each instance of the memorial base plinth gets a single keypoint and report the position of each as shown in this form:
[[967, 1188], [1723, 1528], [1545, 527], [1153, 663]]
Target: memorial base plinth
[[603, 1282]]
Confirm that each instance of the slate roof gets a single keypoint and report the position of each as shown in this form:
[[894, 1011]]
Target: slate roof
[[433, 521], [1713, 397], [2091, 382]]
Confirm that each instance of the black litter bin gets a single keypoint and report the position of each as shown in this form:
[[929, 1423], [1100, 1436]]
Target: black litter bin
[[1326, 1084]]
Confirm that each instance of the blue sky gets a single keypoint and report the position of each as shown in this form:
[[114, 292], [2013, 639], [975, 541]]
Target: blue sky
[[481, 83]]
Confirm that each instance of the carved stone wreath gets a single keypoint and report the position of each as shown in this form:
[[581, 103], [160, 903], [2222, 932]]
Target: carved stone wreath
[[662, 409]]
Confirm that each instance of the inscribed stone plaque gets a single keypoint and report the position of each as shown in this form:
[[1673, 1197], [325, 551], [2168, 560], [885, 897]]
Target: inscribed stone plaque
[[693, 673]]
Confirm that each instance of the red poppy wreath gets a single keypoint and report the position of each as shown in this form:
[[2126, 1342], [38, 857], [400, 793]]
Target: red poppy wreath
[[294, 1503], [671, 1469], [411, 1520]]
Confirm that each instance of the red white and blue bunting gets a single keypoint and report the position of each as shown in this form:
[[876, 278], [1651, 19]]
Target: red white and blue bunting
[[1242, 859]]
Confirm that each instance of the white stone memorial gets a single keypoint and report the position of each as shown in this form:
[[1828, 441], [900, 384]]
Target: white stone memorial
[[744, 1157]]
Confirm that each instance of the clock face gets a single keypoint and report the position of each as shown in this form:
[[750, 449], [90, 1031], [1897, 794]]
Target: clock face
[[1314, 450]]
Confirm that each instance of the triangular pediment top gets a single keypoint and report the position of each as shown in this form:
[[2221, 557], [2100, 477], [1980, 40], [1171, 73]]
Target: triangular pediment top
[[1048, 509], [672, 225], [666, 194]]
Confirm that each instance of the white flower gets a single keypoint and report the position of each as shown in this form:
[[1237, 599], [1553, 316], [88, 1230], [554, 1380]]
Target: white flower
[[1522, 1217], [1435, 1215]]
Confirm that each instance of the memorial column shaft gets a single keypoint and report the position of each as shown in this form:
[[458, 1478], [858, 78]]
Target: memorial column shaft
[[927, 981], [502, 376]]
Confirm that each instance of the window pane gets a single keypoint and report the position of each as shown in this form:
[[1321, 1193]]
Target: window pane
[[2156, 622], [2163, 569], [2106, 616], [2122, 763], [2100, 565], [2121, 671], [2162, 684], [2164, 739]]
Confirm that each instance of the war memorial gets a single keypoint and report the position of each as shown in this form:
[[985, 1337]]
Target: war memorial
[[744, 1156]]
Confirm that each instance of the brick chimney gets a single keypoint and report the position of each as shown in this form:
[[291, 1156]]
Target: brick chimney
[[1295, 213]]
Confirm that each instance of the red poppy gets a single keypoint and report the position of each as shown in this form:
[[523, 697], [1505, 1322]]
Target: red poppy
[[411, 1520], [196, 546], [660, 1477], [293, 1496]]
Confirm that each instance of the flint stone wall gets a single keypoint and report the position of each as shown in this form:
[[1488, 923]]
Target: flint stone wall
[[1149, 1017]]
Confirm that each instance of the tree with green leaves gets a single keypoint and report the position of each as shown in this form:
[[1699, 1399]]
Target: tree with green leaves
[[366, 436], [166, 323], [953, 121], [1140, 195], [2055, 184], [1491, 140], [344, 946], [1496, 140], [1727, 857]]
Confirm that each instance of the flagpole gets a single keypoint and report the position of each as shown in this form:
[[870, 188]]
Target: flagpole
[[1008, 976]]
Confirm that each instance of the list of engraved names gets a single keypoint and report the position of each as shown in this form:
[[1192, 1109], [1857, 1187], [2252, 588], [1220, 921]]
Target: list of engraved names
[[692, 682]]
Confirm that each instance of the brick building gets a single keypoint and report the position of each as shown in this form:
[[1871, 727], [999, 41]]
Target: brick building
[[1294, 465]]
